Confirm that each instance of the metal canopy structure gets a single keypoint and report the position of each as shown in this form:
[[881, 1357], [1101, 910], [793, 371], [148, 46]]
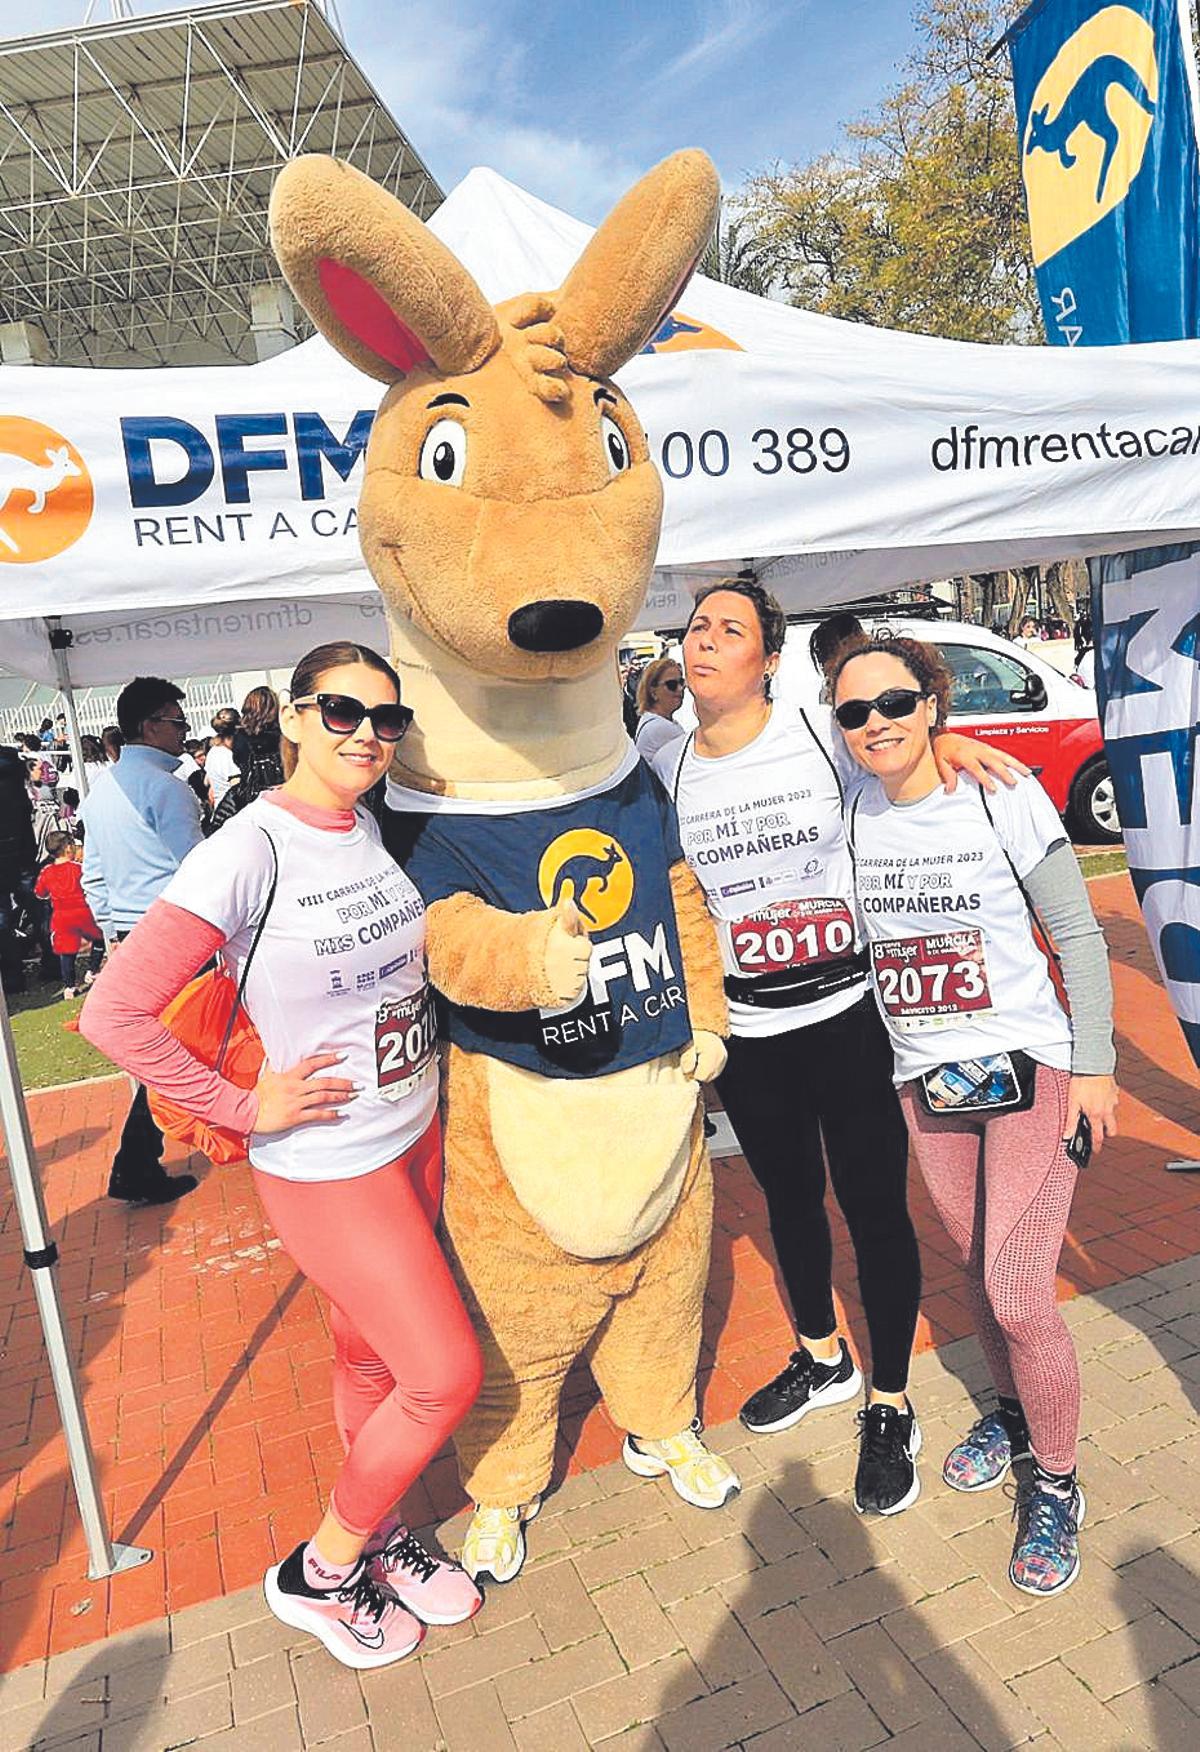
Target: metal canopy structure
[[136, 158]]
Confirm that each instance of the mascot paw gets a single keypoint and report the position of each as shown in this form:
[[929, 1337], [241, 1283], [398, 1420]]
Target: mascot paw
[[568, 952], [705, 1058]]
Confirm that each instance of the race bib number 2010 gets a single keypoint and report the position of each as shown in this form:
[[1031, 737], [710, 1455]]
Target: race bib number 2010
[[927, 981], [791, 933], [405, 1042]]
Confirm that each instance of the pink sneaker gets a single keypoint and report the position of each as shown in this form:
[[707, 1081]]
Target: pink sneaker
[[432, 1588], [361, 1623]]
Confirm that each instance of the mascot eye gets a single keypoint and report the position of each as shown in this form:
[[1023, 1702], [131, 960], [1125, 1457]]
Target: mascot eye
[[444, 454], [616, 445]]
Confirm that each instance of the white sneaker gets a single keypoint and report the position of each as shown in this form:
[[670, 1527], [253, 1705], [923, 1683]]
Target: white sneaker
[[69, 992], [699, 1476], [495, 1541]]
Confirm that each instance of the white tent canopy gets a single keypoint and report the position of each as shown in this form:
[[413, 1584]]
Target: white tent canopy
[[835, 459]]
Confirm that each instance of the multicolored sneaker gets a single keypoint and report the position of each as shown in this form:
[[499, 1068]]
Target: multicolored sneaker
[[360, 1622], [1045, 1557], [982, 1459], [432, 1588], [495, 1541], [699, 1476]]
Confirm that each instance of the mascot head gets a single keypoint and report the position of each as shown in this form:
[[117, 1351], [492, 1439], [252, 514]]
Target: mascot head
[[510, 509]]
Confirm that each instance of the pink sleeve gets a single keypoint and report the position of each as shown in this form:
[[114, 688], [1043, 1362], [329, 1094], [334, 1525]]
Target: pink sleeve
[[121, 1015]]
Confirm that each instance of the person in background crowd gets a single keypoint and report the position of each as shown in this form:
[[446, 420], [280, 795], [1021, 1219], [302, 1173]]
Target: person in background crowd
[[68, 805], [1029, 632], [659, 697], [140, 824], [197, 752], [220, 768], [1085, 651], [827, 639], [46, 733], [344, 1138], [1004, 1092], [93, 752], [256, 746], [18, 859], [71, 922], [113, 742], [60, 731]]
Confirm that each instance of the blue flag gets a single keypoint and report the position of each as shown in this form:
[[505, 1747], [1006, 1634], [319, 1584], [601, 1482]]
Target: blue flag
[[1107, 135], [1106, 123]]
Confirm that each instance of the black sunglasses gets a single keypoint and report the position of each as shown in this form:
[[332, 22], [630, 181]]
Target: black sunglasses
[[342, 714], [672, 686], [896, 702]]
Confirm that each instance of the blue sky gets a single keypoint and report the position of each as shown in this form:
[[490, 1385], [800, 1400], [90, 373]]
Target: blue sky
[[573, 101]]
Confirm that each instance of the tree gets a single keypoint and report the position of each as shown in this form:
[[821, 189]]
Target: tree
[[734, 254], [920, 224]]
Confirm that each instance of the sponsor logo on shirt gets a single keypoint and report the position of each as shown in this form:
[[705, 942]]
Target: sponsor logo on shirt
[[733, 888], [333, 945]]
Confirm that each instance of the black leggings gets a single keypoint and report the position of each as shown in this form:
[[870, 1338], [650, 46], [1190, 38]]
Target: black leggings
[[833, 1080]]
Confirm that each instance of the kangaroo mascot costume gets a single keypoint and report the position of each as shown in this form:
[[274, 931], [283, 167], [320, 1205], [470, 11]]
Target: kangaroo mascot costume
[[510, 516]]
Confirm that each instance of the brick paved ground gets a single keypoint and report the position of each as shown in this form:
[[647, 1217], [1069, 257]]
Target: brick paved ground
[[784, 1621], [207, 1365]]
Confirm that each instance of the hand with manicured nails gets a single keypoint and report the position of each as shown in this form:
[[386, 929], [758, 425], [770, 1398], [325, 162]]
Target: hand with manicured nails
[[704, 1059], [299, 1096], [568, 952]]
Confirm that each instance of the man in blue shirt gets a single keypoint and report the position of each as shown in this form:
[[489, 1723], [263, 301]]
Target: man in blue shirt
[[140, 822]]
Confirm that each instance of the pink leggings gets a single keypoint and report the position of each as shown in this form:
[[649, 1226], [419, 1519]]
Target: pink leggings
[[406, 1360], [1003, 1189]]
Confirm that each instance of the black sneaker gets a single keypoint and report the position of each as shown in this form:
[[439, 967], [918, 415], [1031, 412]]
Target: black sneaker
[[889, 1441], [163, 1189], [805, 1385]]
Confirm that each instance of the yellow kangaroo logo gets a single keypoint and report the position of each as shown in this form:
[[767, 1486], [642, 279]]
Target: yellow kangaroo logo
[[1089, 124]]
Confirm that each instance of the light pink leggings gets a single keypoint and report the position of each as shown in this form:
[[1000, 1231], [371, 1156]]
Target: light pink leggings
[[407, 1364], [1003, 1189]]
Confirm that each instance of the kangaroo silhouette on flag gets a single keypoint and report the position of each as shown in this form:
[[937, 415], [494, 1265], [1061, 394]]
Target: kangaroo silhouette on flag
[[1086, 105], [19, 475]]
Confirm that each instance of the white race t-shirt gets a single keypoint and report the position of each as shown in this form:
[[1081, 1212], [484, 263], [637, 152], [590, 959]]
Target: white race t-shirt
[[220, 770], [956, 968], [340, 967], [763, 831], [655, 732]]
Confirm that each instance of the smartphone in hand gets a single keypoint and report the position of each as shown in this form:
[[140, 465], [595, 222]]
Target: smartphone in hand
[[1079, 1147]]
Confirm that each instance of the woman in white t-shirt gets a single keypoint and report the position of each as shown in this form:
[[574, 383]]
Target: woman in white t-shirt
[[1003, 1091], [659, 697], [302, 902]]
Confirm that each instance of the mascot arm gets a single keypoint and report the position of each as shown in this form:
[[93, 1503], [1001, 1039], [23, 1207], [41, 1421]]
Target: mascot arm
[[486, 958], [701, 954]]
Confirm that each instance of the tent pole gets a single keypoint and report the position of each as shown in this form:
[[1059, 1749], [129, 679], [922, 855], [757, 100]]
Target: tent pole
[[41, 1254], [60, 644]]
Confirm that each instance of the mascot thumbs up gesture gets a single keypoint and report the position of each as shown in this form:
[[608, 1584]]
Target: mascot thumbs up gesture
[[510, 515]]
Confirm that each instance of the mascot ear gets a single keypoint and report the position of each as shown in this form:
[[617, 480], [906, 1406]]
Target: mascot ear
[[373, 278], [637, 264]]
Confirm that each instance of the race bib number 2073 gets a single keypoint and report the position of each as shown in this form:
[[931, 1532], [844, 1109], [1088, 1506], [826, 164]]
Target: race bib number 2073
[[924, 981]]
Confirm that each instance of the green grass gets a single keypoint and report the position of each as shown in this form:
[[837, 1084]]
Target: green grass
[[1110, 862], [45, 1052]]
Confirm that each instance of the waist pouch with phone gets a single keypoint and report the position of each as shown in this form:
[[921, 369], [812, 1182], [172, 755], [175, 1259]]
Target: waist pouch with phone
[[998, 1082]]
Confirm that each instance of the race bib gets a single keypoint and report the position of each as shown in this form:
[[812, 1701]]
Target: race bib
[[791, 933], [405, 1042], [930, 981]]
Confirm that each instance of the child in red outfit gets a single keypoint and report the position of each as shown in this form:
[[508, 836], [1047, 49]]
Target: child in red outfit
[[71, 921]]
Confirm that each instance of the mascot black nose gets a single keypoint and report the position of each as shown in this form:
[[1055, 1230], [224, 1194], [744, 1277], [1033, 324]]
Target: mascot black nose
[[555, 625]]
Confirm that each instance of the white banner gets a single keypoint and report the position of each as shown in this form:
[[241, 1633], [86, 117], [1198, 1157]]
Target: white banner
[[839, 457]]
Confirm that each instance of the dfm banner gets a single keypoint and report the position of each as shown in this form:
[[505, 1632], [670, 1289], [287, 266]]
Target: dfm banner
[[1109, 160], [1106, 123]]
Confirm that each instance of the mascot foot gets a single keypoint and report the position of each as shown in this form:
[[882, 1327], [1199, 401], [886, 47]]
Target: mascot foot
[[495, 1541], [699, 1476]]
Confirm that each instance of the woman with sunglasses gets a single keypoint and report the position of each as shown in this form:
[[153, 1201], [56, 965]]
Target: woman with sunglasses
[[659, 697], [760, 816], [343, 1129], [1004, 1093]]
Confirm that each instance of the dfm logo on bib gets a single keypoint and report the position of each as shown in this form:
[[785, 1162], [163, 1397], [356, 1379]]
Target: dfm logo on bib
[[45, 491], [593, 870], [1089, 122]]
